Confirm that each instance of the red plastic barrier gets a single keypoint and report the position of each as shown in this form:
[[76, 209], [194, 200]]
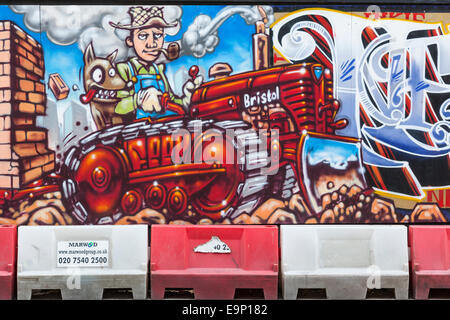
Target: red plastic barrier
[[8, 245], [251, 264], [430, 259]]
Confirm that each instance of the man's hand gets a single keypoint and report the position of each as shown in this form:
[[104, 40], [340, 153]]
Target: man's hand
[[188, 89], [148, 99]]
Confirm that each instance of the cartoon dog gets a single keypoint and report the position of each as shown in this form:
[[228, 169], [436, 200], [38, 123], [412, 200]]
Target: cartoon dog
[[101, 84]]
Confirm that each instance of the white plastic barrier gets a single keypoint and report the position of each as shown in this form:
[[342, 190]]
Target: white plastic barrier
[[81, 261], [345, 260]]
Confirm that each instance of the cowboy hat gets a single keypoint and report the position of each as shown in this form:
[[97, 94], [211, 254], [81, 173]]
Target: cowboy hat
[[144, 18]]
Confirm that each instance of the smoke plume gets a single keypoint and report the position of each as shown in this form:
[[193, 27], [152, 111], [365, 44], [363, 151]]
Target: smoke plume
[[65, 25]]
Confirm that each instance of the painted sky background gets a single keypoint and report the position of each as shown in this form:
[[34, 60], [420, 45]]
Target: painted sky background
[[234, 48]]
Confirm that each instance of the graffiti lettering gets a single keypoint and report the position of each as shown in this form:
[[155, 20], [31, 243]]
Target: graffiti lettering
[[400, 70], [261, 97], [414, 16]]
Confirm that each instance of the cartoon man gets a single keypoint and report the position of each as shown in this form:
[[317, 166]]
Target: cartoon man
[[146, 80]]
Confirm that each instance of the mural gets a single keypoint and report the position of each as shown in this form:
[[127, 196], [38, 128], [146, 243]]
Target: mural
[[223, 115]]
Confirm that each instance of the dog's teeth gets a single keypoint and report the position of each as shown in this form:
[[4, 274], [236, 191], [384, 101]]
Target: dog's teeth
[[105, 94]]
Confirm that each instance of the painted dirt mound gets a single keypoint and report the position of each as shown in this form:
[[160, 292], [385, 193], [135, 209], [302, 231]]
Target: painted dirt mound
[[347, 205]]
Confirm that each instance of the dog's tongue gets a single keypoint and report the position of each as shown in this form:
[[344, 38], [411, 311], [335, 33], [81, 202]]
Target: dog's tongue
[[86, 98]]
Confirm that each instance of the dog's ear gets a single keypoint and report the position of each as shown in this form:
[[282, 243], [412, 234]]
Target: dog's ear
[[89, 54], [112, 56]]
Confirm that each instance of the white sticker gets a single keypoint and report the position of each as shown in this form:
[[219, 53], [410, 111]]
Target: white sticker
[[215, 245], [82, 253]]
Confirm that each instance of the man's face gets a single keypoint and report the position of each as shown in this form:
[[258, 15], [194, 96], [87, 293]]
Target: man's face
[[146, 42]]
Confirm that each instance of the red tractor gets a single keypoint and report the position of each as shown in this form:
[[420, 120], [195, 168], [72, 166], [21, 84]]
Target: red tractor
[[274, 115]]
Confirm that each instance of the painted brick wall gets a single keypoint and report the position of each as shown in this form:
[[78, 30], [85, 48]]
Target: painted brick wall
[[24, 155]]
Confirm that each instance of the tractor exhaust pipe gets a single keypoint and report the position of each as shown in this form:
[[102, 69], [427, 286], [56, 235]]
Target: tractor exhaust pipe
[[261, 43]]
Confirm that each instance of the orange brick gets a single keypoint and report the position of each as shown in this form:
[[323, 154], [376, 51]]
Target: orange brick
[[26, 149], [36, 97], [25, 63], [26, 165], [20, 136], [21, 96], [41, 148], [32, 41], [49, 167], [6, 25], [5, 81], [38, 54], [20, 73], [37, 161], [40, 87], [26, 85], [6, 44], [39, 71], [21, 51], [20, 33], [30, 149], [22, 121], [32, 58], [26, 107], [5, 137], [33, 77], [5, 108], [40, 109], [5, 56], [31, 175], [36, 136], [26, 45]]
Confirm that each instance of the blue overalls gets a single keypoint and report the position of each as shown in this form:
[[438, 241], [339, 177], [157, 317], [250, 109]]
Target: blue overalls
[[145, 81]]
